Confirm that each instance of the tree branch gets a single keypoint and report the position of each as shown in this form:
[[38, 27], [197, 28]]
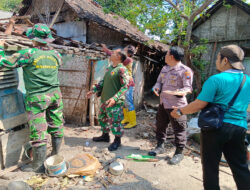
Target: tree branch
[[173, 5], [177, 8], [200, 9], [193, 4]]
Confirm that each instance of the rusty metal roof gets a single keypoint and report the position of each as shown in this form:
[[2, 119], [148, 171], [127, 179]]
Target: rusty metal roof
[[89, 10]]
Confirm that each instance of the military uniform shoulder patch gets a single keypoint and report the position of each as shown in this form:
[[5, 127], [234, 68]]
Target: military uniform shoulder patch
[[122, 70], [187, 75]]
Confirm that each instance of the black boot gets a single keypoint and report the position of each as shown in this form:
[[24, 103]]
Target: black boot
[[178, 156], [39, 156], [114, 146], [158, 150], [56, 144], [103, 138]]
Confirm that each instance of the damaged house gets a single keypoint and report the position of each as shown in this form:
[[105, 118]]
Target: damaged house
[[79, 27], [228, 22], [85, 21]]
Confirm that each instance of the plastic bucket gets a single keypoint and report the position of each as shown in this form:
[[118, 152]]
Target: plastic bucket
[[55, 165]]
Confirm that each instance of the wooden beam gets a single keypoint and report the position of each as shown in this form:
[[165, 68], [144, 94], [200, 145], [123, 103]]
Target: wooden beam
[[13, 168], [18, 17], [56, 15], [92, 98]]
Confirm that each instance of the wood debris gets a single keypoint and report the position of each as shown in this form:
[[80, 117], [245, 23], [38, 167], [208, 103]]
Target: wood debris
[[18, 41]]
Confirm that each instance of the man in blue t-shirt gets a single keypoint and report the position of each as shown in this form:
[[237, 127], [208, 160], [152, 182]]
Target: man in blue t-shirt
[[229, 139]]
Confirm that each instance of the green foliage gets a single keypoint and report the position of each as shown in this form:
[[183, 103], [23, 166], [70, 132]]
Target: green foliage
[[9, 5], [148, 15], [159, 18], [115, 17], [197, 51], [228, 6], [154, 17]]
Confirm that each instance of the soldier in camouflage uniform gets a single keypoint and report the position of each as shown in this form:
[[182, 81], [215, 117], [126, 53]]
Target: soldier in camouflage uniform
[[43, 100], [129, 109], [113, 88]]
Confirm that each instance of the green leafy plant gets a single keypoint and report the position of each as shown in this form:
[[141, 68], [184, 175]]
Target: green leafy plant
[[9, 5], [170, 20], [228, 6]]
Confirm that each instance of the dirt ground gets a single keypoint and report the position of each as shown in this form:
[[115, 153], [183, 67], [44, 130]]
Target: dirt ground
[[138, 175]]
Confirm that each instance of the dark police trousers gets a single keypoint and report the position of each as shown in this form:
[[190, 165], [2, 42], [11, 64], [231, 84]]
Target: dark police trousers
[[229, 139], [179, 125]]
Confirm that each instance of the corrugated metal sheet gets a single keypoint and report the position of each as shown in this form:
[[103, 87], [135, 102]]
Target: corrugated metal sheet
[[74, 30]]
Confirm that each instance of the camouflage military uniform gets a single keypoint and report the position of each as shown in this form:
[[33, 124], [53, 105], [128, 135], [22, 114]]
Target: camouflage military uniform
[[114, 85], [129, 108], [45, 115], [43, 99]]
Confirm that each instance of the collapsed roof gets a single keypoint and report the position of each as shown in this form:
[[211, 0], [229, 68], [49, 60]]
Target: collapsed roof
[[18, 40], [91, 11]]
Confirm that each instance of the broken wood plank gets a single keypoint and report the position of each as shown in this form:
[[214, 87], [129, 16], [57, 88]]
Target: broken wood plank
[[29, 22], [13, 168], [18, 17], [195, 151]]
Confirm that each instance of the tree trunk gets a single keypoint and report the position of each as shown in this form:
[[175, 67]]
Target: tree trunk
[[180, 31], [197, 74], [189, 32], [190, 20]]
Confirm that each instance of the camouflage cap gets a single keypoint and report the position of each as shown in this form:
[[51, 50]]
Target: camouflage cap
[[40, 33]]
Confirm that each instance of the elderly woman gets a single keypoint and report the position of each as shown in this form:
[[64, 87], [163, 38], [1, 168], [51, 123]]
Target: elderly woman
[[229, 138]]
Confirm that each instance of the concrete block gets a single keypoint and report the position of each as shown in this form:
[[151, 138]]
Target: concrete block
[[11, 122], [11, 149]]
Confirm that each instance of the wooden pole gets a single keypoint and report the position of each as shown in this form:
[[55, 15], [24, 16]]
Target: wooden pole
[[92, 98], [56, 15]]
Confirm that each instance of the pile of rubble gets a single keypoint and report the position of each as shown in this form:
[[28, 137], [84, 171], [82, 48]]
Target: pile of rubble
[[18, 41]]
